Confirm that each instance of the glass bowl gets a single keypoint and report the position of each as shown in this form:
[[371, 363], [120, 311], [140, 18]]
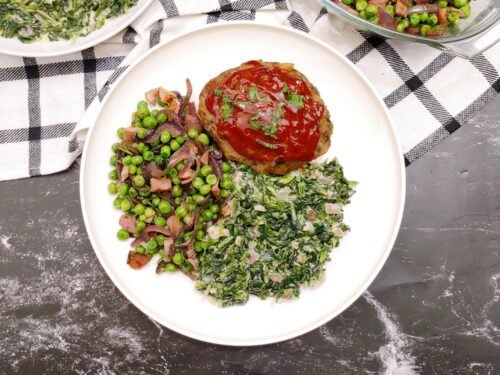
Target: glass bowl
[[473, 35]]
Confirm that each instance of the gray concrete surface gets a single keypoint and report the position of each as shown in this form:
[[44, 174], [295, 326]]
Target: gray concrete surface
[[434, 308]]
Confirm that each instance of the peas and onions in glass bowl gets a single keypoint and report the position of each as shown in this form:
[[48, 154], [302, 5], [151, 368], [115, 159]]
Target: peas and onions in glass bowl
[[427, 18]]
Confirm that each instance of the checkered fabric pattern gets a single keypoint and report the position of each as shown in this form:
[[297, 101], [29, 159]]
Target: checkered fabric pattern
[[47, 103]]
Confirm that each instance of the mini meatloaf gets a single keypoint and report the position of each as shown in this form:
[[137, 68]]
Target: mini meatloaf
[[266, 115]]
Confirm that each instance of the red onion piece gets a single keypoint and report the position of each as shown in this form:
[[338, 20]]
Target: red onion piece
[[386, 20], [216, 164], [422, 8], [157, 229], [174, 129], [413, 30], [187, 98]]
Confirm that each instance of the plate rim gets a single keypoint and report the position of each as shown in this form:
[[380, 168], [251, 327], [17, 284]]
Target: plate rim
[[345, 305], [88, 44]]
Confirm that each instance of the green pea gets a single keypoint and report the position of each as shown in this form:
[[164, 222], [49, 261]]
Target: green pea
[[361, 5], [123, 190], [142, 113], [374, 20], [174, 145], [155, 201], [442, 3], [114, 147], [165, 136], [152, 244], [200, 234], [180, 139], [112, 160], [433, 20], [207, 215], [172, 172], [159, 160], [164, 207], [224, 193], [214, 208], [191, 207], [170, 267], [154, 113], [160, 238], [139, 181], [140, 249], [149, 122], [161, 118], [177, 201], [362, 14], [132, 192], [211, 179], [460, 3], [119, 132], [122, 234], [112, 188], [390, 9], [186, 236], [149, 212], [142, 133], [127, 160], [226, 167], [198, 198], [113, 174], [424, 17], [203, 139], [414, 19], [466, 10], [160, 221], [198, 246], [180, 212], [192, 133], [453, 18], [371, 11], [178, 258], [137, 160], [117, 202], [198, 182], [148, 155], [424, 29], [176, 180], [132, 169], [140, 226], [402, 25], [125, 205], [165, 151], [226, 184], [176, 191], [205, 189], [141, 147], [142, 104], [205, 170], [143, 217], [227, 176], [347, 2], [179, 165]]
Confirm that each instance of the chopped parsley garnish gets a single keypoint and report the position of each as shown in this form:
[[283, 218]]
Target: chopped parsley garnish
[[285, 88], [295, 100], [271, 146], [253, 94], [252, 121], [226, 110]]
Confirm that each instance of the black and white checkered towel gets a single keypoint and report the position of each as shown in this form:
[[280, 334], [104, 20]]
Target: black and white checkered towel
[[46, 102]]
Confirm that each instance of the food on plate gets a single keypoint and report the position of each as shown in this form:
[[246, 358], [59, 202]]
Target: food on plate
[[170, 180], [235, 231], [54, 20], [278, 236], [266, 115], [423, 17]]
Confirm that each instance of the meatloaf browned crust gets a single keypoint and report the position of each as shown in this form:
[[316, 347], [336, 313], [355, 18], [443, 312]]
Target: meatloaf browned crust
[[277, 166]]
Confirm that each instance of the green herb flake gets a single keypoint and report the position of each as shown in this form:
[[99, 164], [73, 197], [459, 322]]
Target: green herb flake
[[271, 146], [226, 110], [253, 94], [295, 100]]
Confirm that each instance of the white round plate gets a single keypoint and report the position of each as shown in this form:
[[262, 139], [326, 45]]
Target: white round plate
[[364, 141], [112, 26]]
